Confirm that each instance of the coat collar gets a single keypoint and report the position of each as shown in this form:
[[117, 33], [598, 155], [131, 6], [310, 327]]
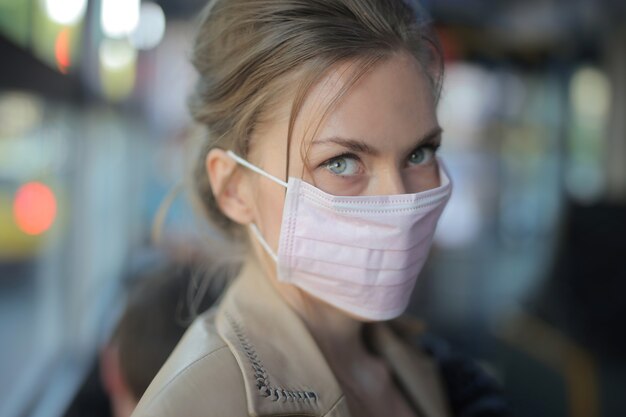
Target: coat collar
[[284, 371]]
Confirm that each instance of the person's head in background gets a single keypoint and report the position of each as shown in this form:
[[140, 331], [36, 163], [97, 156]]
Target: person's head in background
[[160, 307]]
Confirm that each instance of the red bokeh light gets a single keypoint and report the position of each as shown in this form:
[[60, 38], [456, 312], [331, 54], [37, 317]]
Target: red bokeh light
[[62, 50], [34, 208]]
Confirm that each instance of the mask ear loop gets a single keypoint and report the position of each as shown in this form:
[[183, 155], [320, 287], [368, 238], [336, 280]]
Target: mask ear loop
[[263, 242], [255, 168]]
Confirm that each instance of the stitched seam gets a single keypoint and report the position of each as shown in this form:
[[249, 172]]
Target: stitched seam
[[392, 270], [260, 374], [291, 235], [374, 210], [390, 200], [179, 374]]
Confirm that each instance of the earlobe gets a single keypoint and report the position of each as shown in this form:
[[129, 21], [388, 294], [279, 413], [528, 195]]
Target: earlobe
[[227, 183]]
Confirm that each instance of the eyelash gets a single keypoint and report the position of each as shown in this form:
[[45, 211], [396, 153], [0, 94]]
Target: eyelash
[[434, 147]]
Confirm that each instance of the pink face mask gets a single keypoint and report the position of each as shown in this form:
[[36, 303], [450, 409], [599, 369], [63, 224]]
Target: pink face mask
[[361, 254]]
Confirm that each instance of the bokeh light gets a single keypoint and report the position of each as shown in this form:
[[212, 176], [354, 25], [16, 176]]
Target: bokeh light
[[118, 61], [590, 94], [590, 98], [119, 18], [34, 208], [62, 50], [19, 112], [66, 12]]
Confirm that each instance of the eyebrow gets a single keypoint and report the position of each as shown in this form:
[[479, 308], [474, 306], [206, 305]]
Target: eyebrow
[[356, 145]]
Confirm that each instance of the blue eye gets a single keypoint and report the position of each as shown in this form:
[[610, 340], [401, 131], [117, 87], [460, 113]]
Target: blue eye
[[342, 165], [422, 155]]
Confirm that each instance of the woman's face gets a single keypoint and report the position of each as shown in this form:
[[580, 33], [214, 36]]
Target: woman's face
[[380, 139]]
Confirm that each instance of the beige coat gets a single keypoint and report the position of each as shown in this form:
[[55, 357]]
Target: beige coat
[[251, 355]]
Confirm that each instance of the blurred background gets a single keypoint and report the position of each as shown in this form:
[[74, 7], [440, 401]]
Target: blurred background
[[528, 274]]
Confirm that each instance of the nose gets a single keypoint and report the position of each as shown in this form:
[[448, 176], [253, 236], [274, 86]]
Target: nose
[[389, 182]]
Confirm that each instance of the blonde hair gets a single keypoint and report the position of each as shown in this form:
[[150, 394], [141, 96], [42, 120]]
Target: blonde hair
[[250, 54]]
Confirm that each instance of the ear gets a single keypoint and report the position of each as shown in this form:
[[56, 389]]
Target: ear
[[229, 186], [111, 372], [122, 400]]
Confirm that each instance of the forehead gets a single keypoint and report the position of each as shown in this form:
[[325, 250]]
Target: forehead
[[394, 99]]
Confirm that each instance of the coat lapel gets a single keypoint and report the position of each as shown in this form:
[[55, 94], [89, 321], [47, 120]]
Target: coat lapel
[[284, 371]]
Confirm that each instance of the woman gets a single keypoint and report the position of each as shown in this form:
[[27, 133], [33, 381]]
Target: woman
[[321, 157]]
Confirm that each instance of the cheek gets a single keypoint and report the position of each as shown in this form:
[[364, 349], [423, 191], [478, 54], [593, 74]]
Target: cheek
[[269, 202]]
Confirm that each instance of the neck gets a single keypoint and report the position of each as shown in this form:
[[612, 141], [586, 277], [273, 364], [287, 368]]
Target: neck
[[339, 336], [334, 331]]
